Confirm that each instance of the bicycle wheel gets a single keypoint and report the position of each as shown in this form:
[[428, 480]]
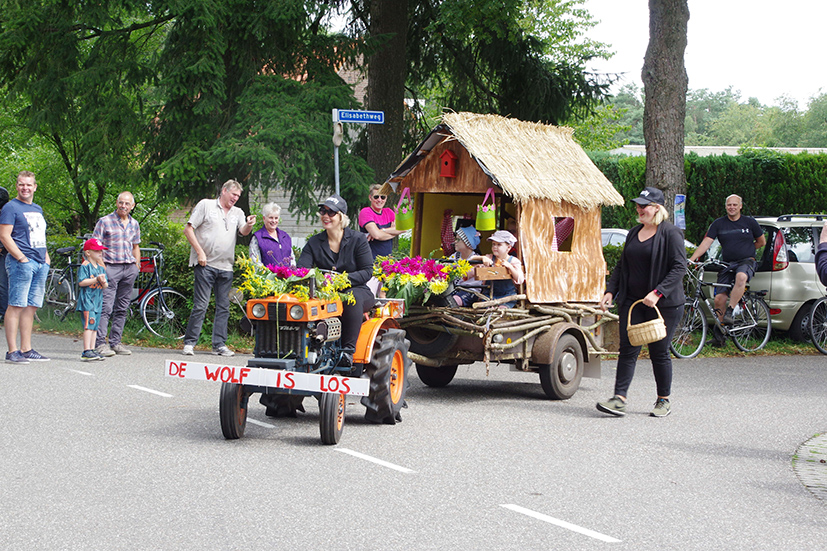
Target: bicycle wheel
[[752, 327], [818, 325], [165, 313], [690, 335], [59, 295]]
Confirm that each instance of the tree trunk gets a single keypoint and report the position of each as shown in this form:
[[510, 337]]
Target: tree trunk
[[386, 85], [665, 83]]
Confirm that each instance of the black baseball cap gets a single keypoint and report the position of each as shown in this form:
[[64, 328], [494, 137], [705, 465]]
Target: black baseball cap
[[649, 195], [335, 203]]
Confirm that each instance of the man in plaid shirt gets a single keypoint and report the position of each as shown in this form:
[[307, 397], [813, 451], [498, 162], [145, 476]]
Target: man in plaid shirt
[[121, 234]]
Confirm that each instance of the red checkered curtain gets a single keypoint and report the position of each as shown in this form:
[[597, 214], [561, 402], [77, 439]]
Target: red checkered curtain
[[447, 233]]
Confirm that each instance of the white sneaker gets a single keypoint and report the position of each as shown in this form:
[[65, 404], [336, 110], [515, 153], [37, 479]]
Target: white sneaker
[[188, 350], [223, 351]]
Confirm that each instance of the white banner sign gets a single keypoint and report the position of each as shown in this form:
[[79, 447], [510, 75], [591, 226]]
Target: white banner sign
[[275, 378]]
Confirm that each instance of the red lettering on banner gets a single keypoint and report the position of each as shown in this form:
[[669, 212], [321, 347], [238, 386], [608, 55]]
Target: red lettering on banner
[[244, 372], [290, 382], [211, 376], [178, 369], [228, 375], [345, 386]]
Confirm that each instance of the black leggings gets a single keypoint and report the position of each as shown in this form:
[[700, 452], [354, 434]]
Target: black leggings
[[658, 351], [353, 316]]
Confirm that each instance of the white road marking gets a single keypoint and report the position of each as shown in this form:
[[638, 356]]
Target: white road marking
[[76, 371], [561, 523], [163, 394], [260, 424], [374, 460]]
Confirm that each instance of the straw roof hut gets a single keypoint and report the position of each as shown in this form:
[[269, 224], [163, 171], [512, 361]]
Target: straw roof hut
[[549, 194]]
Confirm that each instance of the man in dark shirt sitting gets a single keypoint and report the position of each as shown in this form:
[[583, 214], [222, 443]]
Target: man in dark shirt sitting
[[740, 236]]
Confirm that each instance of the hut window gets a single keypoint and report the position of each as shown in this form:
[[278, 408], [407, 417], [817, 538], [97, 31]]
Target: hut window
[[563, 234]]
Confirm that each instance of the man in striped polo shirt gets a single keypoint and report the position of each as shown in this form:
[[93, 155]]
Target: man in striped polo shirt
[[121, 234]]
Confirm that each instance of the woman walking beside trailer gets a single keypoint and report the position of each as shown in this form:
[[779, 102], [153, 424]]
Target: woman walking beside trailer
[[651, 269]]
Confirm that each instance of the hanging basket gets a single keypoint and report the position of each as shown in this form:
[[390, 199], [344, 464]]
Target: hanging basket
[[405, 211], [646, 332], [487, 213]]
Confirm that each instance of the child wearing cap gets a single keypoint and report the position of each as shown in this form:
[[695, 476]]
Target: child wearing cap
[[92, 282], [501, 243], [467, 241]]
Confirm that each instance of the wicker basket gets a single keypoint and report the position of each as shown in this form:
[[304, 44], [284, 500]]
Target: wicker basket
[[646, 332]]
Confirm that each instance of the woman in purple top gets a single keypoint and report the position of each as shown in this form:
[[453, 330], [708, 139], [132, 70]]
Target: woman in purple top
[[270, 245]]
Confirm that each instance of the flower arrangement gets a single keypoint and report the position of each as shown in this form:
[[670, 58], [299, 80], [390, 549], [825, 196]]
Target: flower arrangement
[[264, 281], [416, 279]]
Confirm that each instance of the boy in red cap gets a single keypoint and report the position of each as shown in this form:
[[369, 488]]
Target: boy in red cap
[[92, 282]]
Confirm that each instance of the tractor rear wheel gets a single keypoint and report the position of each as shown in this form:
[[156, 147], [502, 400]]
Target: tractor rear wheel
[[331, 417], [388, 372], [232, 409]]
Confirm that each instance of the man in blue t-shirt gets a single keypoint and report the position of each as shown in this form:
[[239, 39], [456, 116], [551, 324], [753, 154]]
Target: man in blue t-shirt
[[739, 236], [23, 234]]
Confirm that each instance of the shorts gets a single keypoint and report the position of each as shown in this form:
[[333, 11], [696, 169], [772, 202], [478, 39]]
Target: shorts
[[727, 276], [27, 282], [91, 319]]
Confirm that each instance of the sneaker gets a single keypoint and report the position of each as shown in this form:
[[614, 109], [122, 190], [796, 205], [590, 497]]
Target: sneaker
[[222, 351], [34, 356], [662, 408], [121, 350], [727, 319], [90, 356], [104, 351], [16, 357], [188, 350], [613, 406]]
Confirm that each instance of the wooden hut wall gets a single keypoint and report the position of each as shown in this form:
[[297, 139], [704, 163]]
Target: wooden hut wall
[[551, 276], [469, 179]]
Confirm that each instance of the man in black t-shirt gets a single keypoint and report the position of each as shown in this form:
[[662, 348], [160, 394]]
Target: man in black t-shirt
[[740, 236]]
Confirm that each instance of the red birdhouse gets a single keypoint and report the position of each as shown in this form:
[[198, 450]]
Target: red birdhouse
[[448, 164]]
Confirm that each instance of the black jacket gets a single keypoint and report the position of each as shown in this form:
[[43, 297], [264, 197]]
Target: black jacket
[[354, 258], [668, 266]]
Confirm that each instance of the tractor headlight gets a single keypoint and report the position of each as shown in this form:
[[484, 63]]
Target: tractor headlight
[[296, 312], [259, 310]]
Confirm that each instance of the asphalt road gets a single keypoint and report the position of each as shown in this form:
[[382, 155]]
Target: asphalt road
[[95, 458]]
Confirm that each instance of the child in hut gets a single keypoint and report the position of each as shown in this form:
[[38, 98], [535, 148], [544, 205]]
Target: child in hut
[[92, 282], [467, 241], [501, 243]]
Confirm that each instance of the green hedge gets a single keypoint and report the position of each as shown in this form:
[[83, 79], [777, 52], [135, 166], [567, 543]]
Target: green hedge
[[771, 184]]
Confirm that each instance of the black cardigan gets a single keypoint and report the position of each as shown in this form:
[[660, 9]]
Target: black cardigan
[[354, 258], [668, 266]]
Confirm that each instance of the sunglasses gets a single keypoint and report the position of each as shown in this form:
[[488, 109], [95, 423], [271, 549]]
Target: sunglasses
[[383, 197], [327, 211]]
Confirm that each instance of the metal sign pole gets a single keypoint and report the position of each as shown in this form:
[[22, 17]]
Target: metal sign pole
[[347, 115]]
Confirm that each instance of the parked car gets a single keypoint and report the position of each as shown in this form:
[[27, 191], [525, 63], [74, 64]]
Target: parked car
[[617, 237], [786, 270]]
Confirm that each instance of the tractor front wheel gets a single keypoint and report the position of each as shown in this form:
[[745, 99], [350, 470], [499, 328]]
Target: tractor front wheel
[[232, 409], [331, 417]]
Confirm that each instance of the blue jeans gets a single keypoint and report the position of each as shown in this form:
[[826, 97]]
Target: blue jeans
[[207, 281], [27, 282]]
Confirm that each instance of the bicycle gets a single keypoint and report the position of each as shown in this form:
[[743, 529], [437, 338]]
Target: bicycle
[[164, 310], [818, 325], [62, 286], [750, 330]]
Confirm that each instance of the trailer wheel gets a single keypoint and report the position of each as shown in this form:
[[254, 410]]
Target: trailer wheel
[[429, 342], [331, 417], [388, 372], [436, 377], [232, 409], [561, 378]]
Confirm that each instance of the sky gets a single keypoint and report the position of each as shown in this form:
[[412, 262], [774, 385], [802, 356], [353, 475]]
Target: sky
[[764, 48]]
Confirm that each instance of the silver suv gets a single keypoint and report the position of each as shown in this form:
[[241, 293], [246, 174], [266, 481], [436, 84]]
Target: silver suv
[[786, 270]]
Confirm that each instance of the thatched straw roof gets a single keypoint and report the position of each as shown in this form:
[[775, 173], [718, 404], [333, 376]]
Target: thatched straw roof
[[526, 160]]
